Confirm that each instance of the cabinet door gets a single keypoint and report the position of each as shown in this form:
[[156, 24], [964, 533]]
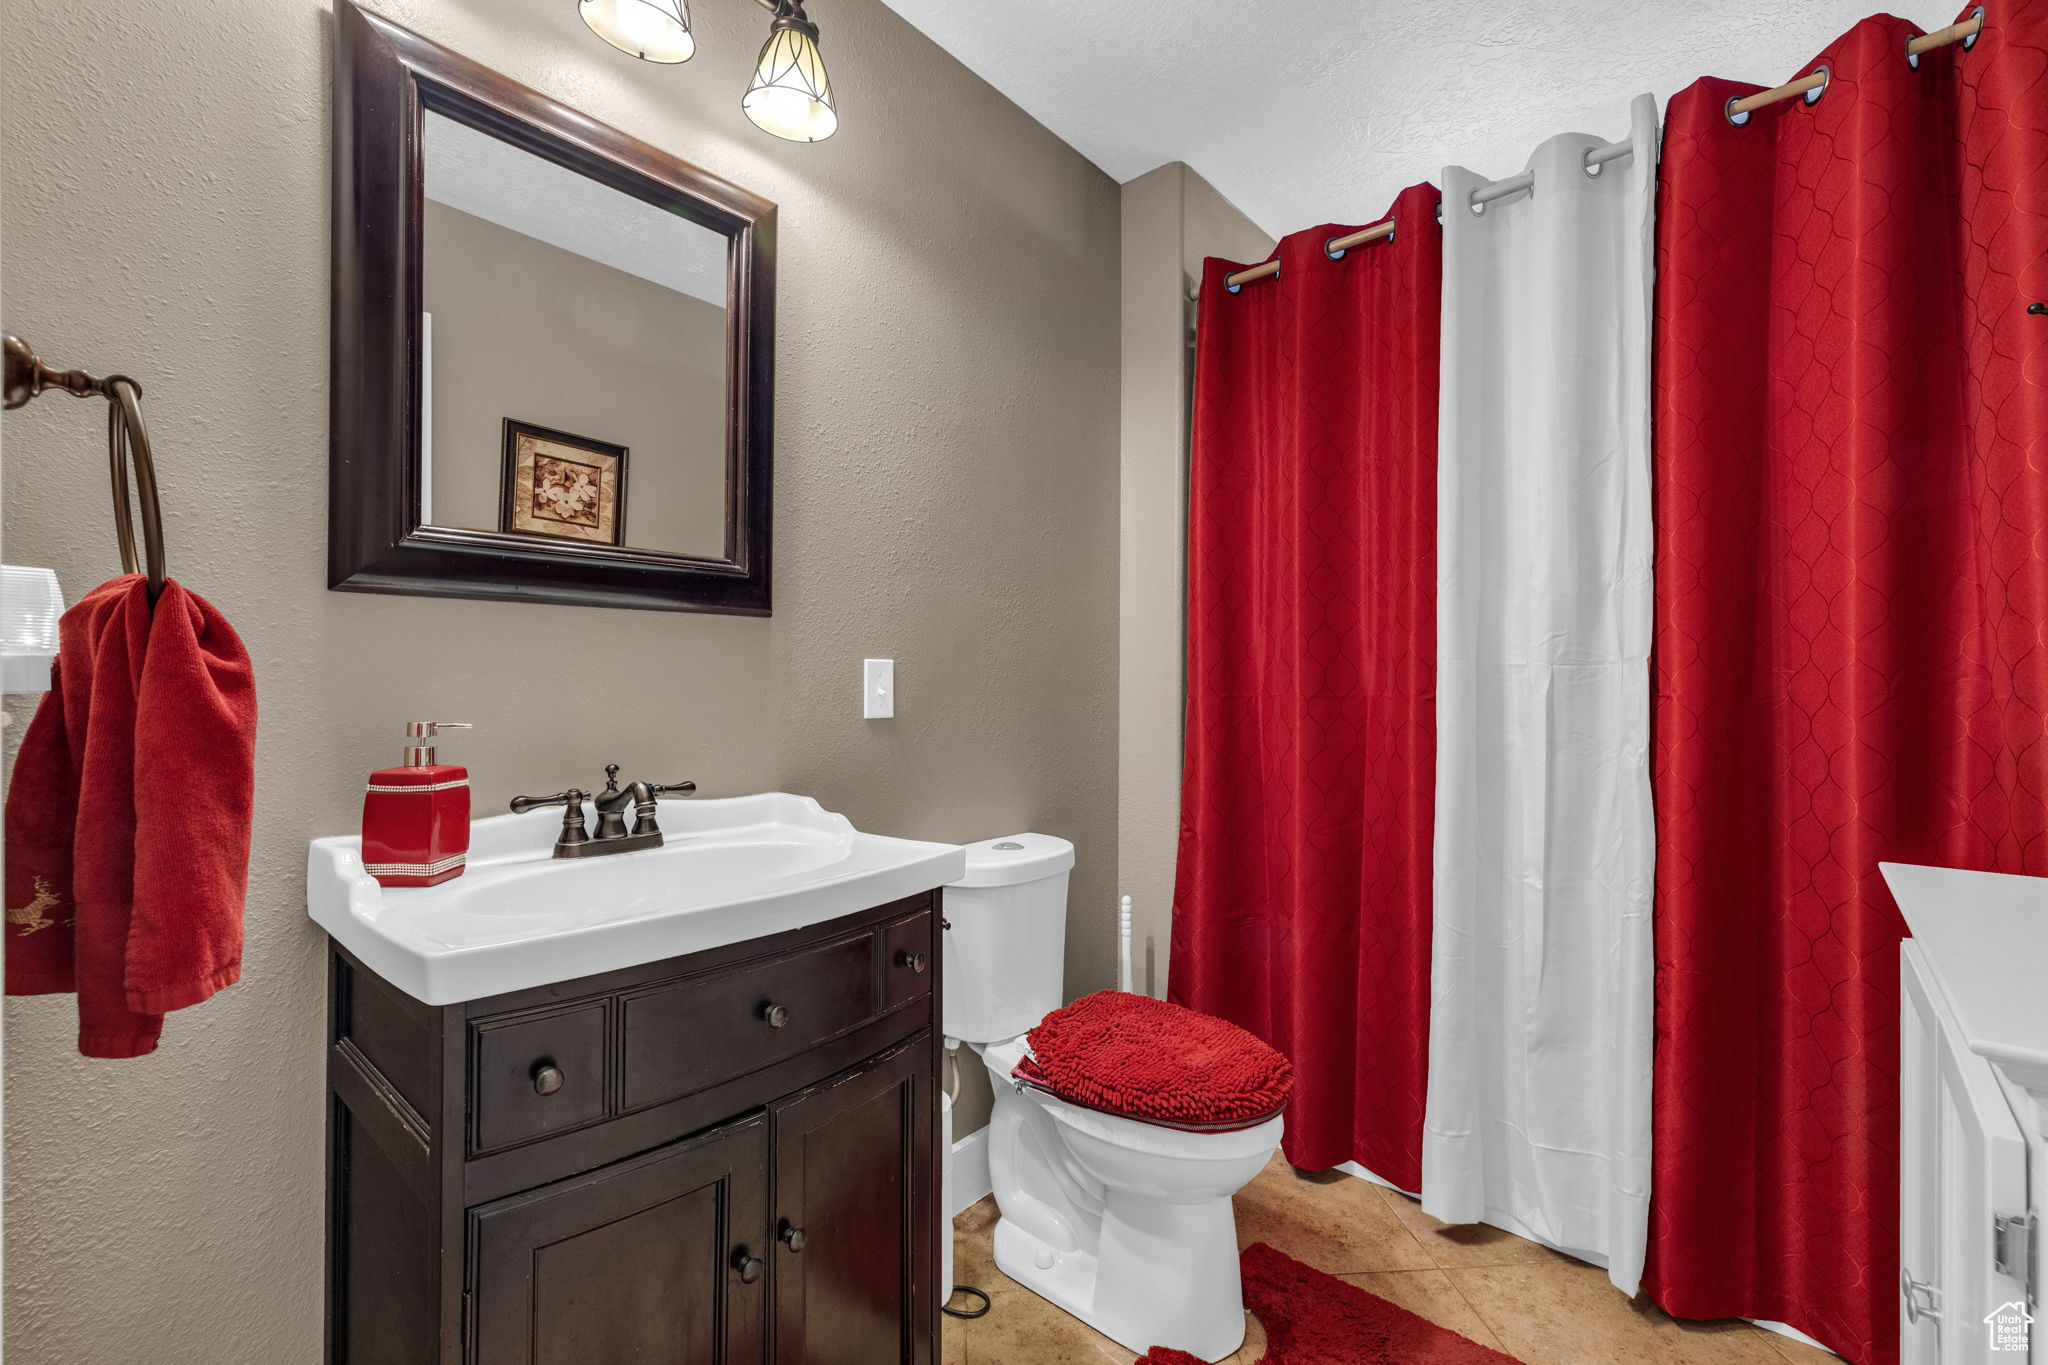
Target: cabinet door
[[660, 1260], [855, 1255], [1963, 1165]]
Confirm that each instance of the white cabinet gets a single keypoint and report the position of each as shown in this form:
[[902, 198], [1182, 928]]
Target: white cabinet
[[1974, 1115]]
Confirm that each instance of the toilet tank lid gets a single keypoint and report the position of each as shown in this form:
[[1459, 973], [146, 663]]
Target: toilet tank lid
[[1016, 858]]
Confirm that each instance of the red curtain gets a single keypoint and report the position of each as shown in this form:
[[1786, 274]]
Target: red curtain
[[1852, 461], [1302, 909]]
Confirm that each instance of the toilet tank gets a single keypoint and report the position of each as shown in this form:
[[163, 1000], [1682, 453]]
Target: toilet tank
[[1006, 946]]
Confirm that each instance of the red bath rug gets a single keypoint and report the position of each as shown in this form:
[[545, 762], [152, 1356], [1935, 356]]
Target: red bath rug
[[1316, 1319]]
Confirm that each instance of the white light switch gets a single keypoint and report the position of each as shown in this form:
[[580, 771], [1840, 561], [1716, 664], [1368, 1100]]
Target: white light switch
[[877, 689]]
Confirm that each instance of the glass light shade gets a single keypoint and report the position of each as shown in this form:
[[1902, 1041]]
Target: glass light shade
[[652, 30], [791, 96]]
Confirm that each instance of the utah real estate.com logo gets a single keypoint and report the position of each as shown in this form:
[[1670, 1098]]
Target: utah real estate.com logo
[[2008, 1324]]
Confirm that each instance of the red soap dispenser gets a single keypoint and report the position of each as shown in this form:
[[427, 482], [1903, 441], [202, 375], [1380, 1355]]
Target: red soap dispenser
[[416, 817]]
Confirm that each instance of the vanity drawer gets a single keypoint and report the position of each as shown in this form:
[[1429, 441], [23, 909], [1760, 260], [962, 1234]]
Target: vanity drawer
[[538, 1073], [686, 1035], [908, 957]]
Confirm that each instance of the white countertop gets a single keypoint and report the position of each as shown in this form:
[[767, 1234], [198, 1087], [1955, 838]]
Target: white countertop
[[731, 870], [1986, 934]]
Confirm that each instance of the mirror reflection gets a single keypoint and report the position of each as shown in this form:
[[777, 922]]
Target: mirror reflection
[[574, 378]]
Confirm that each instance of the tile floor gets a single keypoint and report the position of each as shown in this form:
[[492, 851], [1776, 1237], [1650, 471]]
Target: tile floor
[[1540, 1307]]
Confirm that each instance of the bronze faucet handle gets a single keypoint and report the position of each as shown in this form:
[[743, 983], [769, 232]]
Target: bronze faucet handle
[[573, 797], [644, 821], [611, 778], [573, 829]]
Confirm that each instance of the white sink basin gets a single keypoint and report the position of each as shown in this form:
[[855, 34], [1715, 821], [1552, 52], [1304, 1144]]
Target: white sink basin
[[730, 870]]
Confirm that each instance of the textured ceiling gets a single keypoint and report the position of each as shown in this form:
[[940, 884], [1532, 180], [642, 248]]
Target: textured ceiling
[[1320, 110]]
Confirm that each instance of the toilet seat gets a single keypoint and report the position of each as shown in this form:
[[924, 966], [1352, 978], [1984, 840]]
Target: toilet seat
[[1012, 1059], [1023, 1075], [1147, 1061]]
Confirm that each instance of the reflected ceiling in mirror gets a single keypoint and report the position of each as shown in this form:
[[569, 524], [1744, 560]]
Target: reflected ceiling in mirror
[[574, 355]]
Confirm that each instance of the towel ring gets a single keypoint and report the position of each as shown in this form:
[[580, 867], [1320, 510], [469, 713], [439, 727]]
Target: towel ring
[[127, 443]]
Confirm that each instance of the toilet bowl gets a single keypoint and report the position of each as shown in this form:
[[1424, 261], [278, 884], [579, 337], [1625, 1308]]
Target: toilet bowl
[[1125, 1222]]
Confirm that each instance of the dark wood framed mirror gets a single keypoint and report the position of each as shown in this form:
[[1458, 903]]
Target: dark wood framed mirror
[[529, 305]]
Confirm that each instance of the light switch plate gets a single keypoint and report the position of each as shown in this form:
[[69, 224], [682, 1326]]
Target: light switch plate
[[877, 689]]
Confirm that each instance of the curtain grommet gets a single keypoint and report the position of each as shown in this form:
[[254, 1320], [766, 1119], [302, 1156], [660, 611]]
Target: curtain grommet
[[1337, 254], [1827, 78], [1971, 41], [1728, 112]]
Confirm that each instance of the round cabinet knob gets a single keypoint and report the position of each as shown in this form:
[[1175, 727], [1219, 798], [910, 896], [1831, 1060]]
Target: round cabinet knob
[[776, 1015], [749, 1267], [547, 1079], [914, 961], [794, 1238]]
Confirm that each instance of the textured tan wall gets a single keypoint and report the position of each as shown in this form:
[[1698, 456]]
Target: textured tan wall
[[947, 496], [1172, 219], [583, 348]]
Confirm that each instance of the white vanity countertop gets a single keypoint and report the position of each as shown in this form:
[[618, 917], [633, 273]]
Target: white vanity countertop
[[730, 870], [1987, 935]]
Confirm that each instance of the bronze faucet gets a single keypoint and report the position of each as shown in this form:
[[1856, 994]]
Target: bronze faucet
[[612, 835]]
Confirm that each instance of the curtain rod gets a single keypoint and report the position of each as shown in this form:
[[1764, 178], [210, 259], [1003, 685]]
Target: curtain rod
[[1499, 189], [1738, 112], [1813, 84]]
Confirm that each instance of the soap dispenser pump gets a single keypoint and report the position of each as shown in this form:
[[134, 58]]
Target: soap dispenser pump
[[416, 817]]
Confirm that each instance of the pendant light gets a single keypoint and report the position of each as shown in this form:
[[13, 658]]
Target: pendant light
[[791, 96], [652, 30]]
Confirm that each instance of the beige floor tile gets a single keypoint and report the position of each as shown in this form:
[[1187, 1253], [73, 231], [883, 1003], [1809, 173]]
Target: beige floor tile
[[1460, 1245], [974, 1249], [1428, 1294], [1023, 1329], [1328, 1220], [1562, 1312], [1798, 1352], [1501, 1291], [952, 1342]]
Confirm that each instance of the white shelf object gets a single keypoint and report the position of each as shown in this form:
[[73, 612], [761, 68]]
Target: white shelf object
[[30, 603], [1973, 1152]]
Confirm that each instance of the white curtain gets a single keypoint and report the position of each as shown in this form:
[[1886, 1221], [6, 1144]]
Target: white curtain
[[1541, 1027]]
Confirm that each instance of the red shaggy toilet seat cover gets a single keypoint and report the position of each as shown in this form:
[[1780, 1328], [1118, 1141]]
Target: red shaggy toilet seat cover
[[1148, 1059]]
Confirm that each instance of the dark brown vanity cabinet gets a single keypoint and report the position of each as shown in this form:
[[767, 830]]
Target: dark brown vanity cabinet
[[722, 1159]]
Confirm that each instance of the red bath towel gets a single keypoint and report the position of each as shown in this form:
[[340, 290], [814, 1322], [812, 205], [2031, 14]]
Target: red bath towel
[[128, 815]]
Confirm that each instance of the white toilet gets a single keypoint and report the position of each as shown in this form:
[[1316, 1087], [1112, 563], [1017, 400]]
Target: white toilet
[[1124, 1222]]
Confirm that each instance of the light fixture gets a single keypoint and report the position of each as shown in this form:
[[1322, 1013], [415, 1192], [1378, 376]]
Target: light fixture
[[652, 30], [791, 96]]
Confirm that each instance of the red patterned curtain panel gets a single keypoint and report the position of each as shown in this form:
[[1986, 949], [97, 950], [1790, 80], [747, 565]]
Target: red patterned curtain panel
[[1852, 462], [1302, 909]]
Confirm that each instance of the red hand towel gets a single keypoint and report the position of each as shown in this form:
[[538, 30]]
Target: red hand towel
[[128, 815]]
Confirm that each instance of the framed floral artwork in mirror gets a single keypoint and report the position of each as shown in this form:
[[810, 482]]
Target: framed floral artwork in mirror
[[568, 487]]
